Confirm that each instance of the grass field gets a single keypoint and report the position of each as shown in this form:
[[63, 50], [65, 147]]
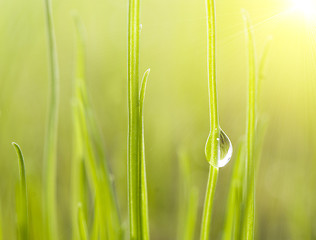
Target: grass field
[[94, 158]]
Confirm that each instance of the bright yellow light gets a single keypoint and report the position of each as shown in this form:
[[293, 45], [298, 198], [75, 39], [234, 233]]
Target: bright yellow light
[[306, 7]]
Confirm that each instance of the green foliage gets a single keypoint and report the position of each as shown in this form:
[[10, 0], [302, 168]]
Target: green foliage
[[187, 200], [51, 131], [249, 217], [21, 199], [234, 207], [77, 191], [137, 189], [89, 156], [217, 141], [82, 225]]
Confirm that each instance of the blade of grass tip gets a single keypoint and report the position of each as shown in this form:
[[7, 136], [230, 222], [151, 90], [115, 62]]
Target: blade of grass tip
[[249, 218], [144, 198], [188, 201], [23, 224], [214, 121], [50, 158], [82, 225], [134, 160], [234, 204]]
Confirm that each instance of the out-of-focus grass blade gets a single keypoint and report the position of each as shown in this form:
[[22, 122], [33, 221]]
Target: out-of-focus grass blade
[[78, 166], [249, 218], [263, 62], [144, 200], [234, 204], [22, 203], [50, 152], [188, 200], [107, 221], [82, 225], [1, 221]]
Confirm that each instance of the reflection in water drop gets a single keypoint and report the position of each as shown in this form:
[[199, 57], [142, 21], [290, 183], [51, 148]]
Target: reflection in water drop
[[225, 150]]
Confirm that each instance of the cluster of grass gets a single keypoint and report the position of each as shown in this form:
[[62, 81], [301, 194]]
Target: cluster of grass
[[95, 212]]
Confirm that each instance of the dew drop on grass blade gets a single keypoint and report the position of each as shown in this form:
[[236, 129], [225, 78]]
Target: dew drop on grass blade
[[225, 150], [218, 144]]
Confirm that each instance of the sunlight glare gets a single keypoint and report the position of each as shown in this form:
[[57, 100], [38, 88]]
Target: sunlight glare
[[306, 7]]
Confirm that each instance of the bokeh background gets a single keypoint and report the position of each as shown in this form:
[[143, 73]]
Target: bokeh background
[[173, 45]]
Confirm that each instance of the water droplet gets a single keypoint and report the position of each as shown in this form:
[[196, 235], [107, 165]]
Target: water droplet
[[225, 150], [140, 27]]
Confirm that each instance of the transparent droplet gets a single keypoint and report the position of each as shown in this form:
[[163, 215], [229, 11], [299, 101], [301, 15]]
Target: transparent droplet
[[140, 28], [225, 150]]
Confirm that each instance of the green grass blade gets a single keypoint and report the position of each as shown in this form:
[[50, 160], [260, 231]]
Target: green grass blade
[[212, 145], [144, 199], [134, 159], [84, 143], [188, 201], [234, 204], [107, 220], [78, 167], [208, 203], [248, 226], [51, 131], [82, 225], [22, 211]]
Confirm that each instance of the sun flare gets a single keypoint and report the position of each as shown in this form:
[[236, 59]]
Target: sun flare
[[306, 7]]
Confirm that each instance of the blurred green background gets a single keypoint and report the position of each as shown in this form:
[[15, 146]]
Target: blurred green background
[[173, 45]]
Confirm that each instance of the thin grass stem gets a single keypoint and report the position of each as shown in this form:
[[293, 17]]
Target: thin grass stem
[[22, 211], [214, 120], [137, 189], [134, 164]]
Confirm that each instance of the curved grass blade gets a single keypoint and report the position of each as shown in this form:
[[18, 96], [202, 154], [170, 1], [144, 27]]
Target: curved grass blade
[[249, 218], [51, 131], [144, 199], [188, 201], [82, 225], [22, 203], [213, 151]]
